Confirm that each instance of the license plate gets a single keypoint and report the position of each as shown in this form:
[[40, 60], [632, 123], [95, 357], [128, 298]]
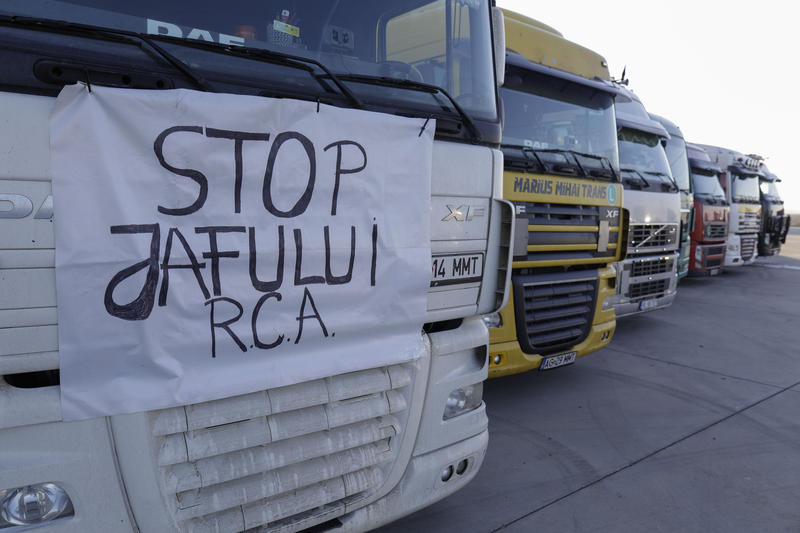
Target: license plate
[[452, 269], [713, 272], [644, 305], [558, 360]]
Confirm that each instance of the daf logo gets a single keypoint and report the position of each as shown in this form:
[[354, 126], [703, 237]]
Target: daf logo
[[464, 213], [20, 206]]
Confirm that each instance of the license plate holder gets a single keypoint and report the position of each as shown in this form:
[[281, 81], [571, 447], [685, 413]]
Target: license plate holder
[[456, 269], [650, 303], [555, 361]]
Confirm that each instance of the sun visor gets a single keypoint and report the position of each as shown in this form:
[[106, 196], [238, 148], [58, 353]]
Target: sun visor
[[516, 60], [702, 164], [625, 120]]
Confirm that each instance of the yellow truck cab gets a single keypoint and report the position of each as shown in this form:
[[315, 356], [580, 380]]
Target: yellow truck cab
[[562, 175]]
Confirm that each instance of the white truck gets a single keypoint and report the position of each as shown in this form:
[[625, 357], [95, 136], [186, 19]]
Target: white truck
[[348, 452], [740, 181], [647, 279]]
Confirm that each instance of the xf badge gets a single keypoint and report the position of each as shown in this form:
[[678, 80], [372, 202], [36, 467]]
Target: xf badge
[[464, 213]]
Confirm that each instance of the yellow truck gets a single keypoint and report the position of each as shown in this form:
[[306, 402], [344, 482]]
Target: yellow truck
[[562, 175]]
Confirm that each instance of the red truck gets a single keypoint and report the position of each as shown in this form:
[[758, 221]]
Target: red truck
[[711, 212]]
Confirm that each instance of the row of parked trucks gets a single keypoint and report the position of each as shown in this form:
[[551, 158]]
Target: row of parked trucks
[[558, 203]]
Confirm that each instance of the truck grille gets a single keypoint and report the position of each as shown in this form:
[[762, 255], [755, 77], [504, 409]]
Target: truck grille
[[713, 262], [716, 230], [653, 235], [749, 222], [292, 456], [578, 240], [553, 311], [714, 250], [748, 247], [648, 267], [648, 289]]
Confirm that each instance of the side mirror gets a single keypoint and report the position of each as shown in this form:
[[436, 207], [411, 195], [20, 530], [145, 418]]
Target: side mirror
[[499, 33]]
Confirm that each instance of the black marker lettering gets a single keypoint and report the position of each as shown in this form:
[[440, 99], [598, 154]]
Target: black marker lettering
[[256, 311], [142, 305], [224, 325], [298, 263], [266, 286], [166, 267], [329, 277], [266, 193], [214, 254], [374, 254], [340, 171], [308, 298], [238, 137], [194, 175]]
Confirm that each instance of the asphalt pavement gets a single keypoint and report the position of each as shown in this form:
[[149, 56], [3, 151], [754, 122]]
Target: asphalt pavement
[[689, 421]]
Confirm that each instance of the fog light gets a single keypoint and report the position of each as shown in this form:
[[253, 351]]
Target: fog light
[[463, 400], [497, 358], [461, 467], [493, 321], [33, 504], [447, 473]]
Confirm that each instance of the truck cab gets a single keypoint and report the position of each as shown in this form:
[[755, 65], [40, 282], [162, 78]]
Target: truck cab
[[774, 220], [648, 278], [562, 175], [679, 164], [347, 452], [740, 180], [710, 231]]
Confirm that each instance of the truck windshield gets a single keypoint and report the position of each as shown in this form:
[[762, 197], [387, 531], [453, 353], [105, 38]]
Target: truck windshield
[[550, 115], [643, 162], [745, 189], [385, 52], [706, 186], [769, 190], [678, 162]]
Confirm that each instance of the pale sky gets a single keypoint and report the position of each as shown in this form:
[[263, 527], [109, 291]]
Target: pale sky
[[726, 72]]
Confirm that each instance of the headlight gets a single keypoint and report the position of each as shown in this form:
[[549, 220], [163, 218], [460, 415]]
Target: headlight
[[493, 320], [463, 400], [33, 505]]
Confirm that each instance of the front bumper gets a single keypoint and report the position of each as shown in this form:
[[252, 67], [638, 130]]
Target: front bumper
[[645, 283], [741, 249], [422, 484], [707, 257]]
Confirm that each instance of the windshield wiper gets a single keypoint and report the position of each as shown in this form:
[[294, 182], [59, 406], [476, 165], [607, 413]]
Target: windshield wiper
[[531, 160], [601, 172], [572, 169], [637, 173], [110, 34], [415, 86], [137, 38], [271, 56], [673, 185]]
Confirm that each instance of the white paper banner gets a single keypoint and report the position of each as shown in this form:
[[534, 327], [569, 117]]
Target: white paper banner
[[210, 245]]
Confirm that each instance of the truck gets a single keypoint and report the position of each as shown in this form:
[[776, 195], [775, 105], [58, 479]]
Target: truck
[[647, 279], [561, 174], [710, 231], [740, 181], [679, 165], [347, 452], [775, 221]]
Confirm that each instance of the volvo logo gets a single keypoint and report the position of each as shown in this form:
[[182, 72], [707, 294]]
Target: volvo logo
[[20, 206], [464, 213]]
